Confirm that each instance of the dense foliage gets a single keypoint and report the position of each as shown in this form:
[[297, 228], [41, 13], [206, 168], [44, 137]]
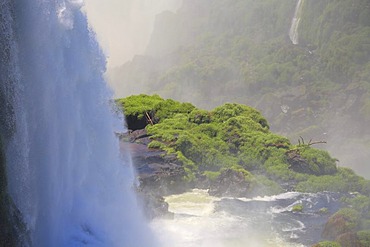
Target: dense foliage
[[212, 52], [235, 136], [233, 141]]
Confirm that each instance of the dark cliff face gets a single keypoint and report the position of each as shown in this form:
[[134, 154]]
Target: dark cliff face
[[12, 230], [6, 232]]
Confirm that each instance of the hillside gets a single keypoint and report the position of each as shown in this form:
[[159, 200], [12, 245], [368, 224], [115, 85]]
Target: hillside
[[212, 52], [230, 151]]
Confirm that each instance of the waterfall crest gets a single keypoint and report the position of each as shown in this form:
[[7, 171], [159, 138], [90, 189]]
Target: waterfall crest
[[64, 167], [293, 31]]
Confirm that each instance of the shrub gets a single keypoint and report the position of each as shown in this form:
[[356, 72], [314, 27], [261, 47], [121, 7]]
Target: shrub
[[327, 244], [364, 238], [199, 116], [319, 161], [138, 105], [344, 221], [225, 112], [212, 175]]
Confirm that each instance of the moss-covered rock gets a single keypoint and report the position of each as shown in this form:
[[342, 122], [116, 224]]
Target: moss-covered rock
[[141, 110], [327, 244], [233, 181], [346, 220], [364, 238], [209, 143], [344, 180], [349, 239], [298, 208]]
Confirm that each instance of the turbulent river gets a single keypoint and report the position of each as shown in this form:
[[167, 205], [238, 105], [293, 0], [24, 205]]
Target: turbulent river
[[200, 220]]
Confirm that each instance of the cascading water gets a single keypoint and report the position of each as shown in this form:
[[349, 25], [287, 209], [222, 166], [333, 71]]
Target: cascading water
[[65, 171], [201, 220], [293, 32]]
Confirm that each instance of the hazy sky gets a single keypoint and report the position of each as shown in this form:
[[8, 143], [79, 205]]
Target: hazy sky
[[123, 27]]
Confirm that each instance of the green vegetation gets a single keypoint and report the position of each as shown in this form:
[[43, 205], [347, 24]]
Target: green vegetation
[[210, 53], [364, 238], [232, 145], [139, 105], [297, 208], [323, 211], [240, 52], [327, 244], [343, 180], [237, 137], [153, 108]]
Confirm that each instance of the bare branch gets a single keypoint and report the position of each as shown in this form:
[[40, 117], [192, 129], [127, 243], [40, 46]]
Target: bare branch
[[148, 118]]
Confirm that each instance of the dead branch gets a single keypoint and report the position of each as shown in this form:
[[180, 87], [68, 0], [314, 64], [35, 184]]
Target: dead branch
[[148, 118], [317, 142], [310, 143]]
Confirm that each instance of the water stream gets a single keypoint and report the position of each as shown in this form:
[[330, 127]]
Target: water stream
[[65, 171], [293, 31], [201, 220]]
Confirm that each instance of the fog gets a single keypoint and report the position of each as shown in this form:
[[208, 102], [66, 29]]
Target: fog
[[198, 54], [124, 27]]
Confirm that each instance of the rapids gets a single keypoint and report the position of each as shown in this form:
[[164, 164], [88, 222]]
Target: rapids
[[201, 220]]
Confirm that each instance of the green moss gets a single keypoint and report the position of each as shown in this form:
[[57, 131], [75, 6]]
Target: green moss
[[212, 175], [360, 202], [351, 216], [156, 144], [266, 186], [343, 181], [319, 161], [297, 208], [169, 108], [229, 110], [364, 238], [237, 137], [248, 177], [138, 105], [327, 244], [323, 211], [200, 116], [157, 107]]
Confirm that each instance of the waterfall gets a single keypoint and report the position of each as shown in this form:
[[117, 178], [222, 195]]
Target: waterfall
[[65, 171], [293, 32]]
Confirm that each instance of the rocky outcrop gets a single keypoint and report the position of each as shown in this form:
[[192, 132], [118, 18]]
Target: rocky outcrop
[[345, 221], [349, 239], [230, 183], [158, 174]]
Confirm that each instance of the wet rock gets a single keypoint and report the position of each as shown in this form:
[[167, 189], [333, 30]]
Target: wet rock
[[349, 239], [154, 205], [158, 174], [297, 163], [230, 183], [344, 221]]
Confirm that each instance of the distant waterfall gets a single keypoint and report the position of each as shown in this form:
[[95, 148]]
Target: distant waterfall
[[65, 171], [293, 32]]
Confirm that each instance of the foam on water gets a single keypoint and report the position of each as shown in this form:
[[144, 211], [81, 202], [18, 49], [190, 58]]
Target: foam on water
[[198, 223], [65, 171]]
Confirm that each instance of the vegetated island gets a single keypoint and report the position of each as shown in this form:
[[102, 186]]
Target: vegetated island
[[231, 152]]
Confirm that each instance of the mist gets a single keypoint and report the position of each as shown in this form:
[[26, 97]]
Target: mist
[[124, 27], [314, 87], [277, 106]]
